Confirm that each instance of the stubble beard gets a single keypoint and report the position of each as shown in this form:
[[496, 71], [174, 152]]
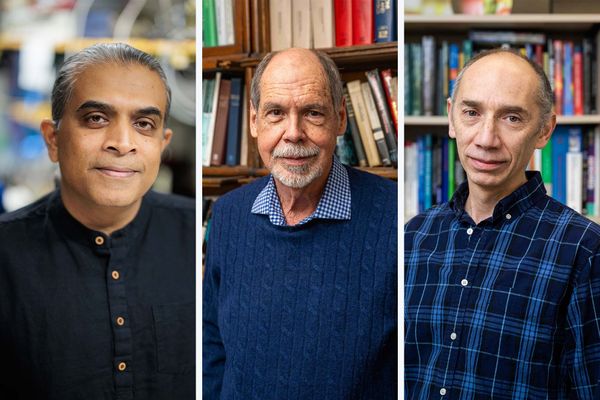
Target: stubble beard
[[295, 176]]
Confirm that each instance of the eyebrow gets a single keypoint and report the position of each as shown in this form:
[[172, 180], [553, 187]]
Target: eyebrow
[[100, 106], [311, 106], [503, 108]]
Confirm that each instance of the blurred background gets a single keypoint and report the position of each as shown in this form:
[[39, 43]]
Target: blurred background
[[35, 38]]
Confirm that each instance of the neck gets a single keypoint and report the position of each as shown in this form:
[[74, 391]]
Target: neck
[[481, 202], [299, 203], [105, 219]]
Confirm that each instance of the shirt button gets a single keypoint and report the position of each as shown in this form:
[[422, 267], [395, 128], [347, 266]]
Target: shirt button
[[470, 231], [464, 282], [443, 391], [120, 321], [453, 336], [99, 240], [115, 275], [508, 216], [122, 366]]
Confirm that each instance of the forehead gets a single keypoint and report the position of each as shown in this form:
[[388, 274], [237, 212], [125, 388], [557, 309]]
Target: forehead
[[294, 77], [119, 85], [500, 77]]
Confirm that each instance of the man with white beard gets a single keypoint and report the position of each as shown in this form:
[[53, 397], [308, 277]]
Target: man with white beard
[[300, 285]]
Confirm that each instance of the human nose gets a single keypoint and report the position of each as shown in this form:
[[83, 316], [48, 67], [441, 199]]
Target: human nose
[[293, 131], [487, 136], [120, 139]]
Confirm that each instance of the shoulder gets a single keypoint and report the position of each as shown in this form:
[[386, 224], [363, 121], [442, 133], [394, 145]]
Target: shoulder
[[573, 227], [430, 219], [170, 202], [241, 198], [35, 210]]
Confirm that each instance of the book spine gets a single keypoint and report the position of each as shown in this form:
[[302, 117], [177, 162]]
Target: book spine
[[211, 121], [209, 25], [451, 167], [322, 23], [382, 111], [558, 77], [301, 25], [560, 147], [417, 78], [453, 65], [444, 168], [547, 167], [587, 76], [280, 14], [343, 22], [428, 181], [385, 21], [234, 122], [578, 80], [362, 22], [354, 131], [362, 120], [428, 44], [408, 78], [220, 135], [421, 171], [568, 104], [378, 135], [386, 78]]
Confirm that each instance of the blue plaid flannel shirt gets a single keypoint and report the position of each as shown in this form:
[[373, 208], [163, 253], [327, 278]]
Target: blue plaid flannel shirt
[[335, 201], [505, 309]]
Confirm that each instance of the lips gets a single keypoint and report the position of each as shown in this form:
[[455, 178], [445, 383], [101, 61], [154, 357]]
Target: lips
[[116, 172], [295, 160], [486, 164]]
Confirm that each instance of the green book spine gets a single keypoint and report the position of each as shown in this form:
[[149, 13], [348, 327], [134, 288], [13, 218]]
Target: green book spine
[[547, 167], [451, 163], [209, 25]]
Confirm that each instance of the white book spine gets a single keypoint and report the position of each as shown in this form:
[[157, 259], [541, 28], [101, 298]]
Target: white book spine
[[574, 180]]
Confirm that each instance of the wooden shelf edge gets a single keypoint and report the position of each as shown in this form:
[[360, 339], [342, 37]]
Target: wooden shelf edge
[[459, 19]]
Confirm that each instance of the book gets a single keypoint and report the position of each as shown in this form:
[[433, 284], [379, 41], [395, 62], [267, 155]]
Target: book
[[385, 21], [343, 22], [506, 37], [374, 82], [560, 147], [301, 24], [574, 161], [354, 131], [546, 171], [558, 76], [578, 80], [408, 79], [244, 134], [224, 21], [234, 122], [587, 75], [378, 135], [362, 22], [567, 98], [280, 15], [428, 44], [389, 88], [364, 126], [207, 140], [453, 66], [451, 167], [416, 72], [209, 25], [322, 23], [220, 134]]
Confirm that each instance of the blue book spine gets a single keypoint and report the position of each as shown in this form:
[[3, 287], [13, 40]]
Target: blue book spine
[[428, 171], [421, 169], [385, 21], [568, 104], [234, 120], [444, 170], [453, 65], [560, 147]]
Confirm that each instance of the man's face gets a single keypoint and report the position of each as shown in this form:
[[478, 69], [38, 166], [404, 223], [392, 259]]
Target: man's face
[[109, 141], [295, 123], [497, 122]]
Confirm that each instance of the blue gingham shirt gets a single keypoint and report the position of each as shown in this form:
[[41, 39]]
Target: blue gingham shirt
[[335, 202], [504, 309]]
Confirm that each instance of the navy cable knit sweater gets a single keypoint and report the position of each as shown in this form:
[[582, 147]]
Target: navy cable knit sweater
[[304, 312]]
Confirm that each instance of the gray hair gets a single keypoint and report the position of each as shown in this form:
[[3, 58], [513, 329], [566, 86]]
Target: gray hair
[[544, 95], [102, 53], [332, 75]]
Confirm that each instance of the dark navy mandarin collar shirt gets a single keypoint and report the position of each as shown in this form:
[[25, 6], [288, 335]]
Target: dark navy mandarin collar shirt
[[505, 309], [84, 315]]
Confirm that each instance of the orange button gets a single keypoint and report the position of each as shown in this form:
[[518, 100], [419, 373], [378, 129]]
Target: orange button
[[122, 366], [99, 240], [115, 275], [120, 321]]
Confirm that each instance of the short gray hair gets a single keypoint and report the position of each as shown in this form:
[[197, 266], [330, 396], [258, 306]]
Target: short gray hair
[[102, 53], [544, 95], [332, 76]]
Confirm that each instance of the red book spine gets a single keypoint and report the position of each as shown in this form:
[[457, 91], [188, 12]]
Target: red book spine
[[343, 22], [578, 81], [558, 77], [386, 78], [539, 54], [362, 21]]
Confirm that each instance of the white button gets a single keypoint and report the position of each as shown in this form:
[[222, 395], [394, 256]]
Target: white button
[[470, 231], [464, 282], [443, 391], [453, 336], [508, 216]]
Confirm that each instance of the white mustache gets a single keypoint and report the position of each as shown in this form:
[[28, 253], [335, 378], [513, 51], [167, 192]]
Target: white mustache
[[291, 150]]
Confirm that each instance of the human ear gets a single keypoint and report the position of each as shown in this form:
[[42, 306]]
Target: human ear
[[253, 116], [451, 131], [546, 133], [49, 132], [168, 134], [342, 118]]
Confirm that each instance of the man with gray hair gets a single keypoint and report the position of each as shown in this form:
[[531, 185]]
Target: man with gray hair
[[502, 283], [97, 278], [300, 283]]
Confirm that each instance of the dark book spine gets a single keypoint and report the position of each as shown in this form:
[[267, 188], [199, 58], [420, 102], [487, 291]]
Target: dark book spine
[[234, 122], [384, 116], [385, 21], [220, 138], [358, 146]]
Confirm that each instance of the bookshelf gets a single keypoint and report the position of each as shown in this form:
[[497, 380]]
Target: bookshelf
[[456, 28], [252, 22]]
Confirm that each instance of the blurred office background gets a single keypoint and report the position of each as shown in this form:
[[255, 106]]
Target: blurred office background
[[35, 38]]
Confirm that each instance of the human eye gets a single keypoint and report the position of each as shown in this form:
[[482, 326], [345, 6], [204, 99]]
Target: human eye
[[515, 119], [95, 120], [145, 125], [470, 113], [274, 114]]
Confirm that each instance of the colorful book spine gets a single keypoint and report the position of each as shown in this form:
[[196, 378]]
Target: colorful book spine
[[386, 28], [429, 67], [343, 22], [209, 24], [354, 131], [558, 76], [376, 88], [378, 134], [560, 147], [386, 79], [578, 80], [362, 22], [453, 65], [568, 103]]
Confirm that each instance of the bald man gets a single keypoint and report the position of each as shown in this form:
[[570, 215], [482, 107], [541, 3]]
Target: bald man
[[502, 285], [300, 287]]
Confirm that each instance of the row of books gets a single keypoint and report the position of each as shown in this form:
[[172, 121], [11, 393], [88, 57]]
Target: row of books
[[431, 68], [570, 167], [330, 23], [217, 23], [371, 138]]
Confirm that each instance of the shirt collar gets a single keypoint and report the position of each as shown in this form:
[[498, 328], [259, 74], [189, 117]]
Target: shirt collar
[[335, 202], [514, 204]]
